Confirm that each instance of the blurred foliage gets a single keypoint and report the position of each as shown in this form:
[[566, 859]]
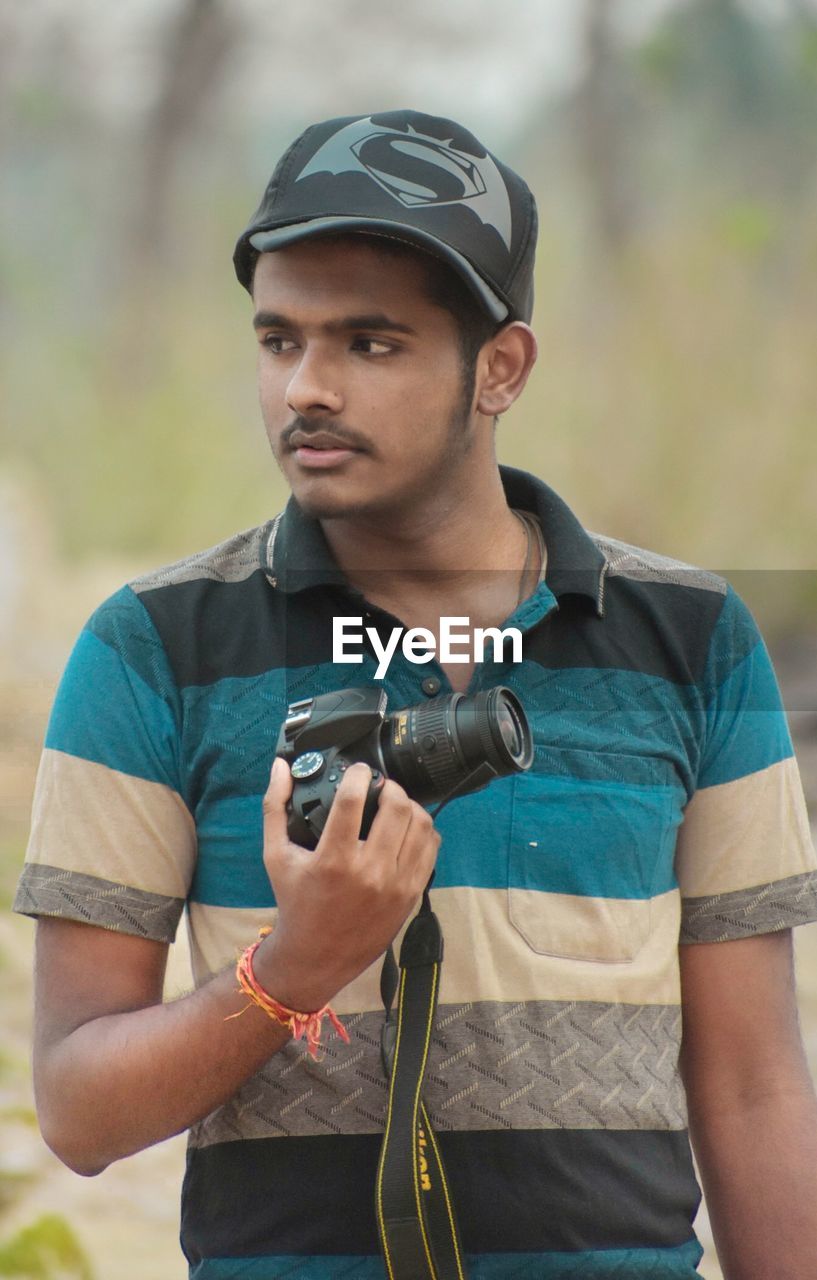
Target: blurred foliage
[[26, 1116], [13, 1183], [46, 1250], [675, 398], [13, 835]]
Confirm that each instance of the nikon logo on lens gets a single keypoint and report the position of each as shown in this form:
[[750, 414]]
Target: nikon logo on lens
[[437, 750]]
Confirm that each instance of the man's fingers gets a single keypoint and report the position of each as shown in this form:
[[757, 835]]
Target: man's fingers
[[342, 829], [418, 852], [280, 787], [275, 801], [391, 822]]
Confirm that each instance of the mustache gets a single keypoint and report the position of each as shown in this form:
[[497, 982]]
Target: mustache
[[316, 426]]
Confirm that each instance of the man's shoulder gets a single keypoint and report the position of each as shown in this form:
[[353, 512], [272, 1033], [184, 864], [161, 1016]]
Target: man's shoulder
[[231, 561], [623, 560]]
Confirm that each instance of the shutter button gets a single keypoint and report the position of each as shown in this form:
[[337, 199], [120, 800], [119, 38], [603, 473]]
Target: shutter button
[[431, 685]]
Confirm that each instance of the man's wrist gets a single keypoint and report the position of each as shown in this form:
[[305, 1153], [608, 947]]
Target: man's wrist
[[288, 981]]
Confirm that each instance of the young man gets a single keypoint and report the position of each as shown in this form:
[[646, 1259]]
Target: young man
[[390, 266]]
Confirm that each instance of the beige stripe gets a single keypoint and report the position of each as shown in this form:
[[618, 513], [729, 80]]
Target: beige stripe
[[486, 958], [100, 822], [753, 831]]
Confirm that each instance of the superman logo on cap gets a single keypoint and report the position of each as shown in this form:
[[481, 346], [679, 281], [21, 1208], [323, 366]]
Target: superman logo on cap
[[417, 170]]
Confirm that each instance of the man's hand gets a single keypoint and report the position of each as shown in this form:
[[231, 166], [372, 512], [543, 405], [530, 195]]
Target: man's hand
[[341, 904]]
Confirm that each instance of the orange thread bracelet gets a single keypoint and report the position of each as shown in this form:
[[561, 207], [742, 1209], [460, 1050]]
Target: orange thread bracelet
[[301, 1025]]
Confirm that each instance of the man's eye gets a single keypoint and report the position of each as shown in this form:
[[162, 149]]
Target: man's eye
[[277, 344], [372, 346]]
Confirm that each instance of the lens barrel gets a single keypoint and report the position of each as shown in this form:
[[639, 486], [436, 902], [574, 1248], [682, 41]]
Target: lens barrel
[[432, 748]]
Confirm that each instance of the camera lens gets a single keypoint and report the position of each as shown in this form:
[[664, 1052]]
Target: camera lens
[[493, 727], [510, 730], [431, 749]]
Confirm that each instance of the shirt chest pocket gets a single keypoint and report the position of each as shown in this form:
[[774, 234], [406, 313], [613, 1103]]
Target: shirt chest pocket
[[587, 856]]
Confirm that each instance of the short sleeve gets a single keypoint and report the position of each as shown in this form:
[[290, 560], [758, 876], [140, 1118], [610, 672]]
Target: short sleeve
[[112, 841], [745, 859]]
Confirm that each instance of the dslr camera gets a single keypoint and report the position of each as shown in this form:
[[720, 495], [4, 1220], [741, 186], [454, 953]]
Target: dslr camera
[[437, 750]]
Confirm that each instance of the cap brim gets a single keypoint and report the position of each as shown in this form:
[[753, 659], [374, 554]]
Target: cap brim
[[278, 237]]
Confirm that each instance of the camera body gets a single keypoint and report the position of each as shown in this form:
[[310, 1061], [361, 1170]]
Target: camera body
[[319, 739], [436, 750]]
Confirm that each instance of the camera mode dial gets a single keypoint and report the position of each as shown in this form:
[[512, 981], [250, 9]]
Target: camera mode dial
[[308, 765]]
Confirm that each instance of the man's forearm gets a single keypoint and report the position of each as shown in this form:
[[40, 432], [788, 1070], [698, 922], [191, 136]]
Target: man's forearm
[[116, 1070], [121, 1082], [758, 1165]]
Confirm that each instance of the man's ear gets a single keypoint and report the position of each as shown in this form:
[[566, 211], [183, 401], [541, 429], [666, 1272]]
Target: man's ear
[[503, 366]]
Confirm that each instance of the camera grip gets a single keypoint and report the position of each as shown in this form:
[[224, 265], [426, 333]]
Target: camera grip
[[308, 808]]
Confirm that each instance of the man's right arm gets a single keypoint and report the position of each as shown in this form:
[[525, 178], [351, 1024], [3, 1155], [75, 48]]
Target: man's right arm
[[115, 1070]]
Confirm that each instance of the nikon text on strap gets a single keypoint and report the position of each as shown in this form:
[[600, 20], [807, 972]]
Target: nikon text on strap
[[415, 1216]]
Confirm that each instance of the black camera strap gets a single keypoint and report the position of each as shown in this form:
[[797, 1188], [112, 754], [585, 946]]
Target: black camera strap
[[418, 1231], [415, 1215]]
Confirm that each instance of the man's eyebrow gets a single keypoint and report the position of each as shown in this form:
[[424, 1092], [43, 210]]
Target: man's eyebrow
[[270, 320], [376, 320]]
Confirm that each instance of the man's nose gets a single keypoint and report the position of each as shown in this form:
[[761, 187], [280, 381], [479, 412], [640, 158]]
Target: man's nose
[[314, 386]]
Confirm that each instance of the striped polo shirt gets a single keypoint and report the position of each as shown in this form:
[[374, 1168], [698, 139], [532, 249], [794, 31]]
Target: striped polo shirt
[[663, 805]]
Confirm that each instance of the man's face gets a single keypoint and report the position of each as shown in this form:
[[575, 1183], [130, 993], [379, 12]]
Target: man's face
[[360, 379]]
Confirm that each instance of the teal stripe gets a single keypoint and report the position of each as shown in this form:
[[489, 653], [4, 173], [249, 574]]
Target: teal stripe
[[549, 834], [583, 822], [680, 1263], [747, 725], [562, 836], [587, 821], [605, 1264], [105, 712], [229, 867], [575, 716]]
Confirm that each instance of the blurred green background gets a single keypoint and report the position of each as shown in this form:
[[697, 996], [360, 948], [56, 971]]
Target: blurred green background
[[672, 147]]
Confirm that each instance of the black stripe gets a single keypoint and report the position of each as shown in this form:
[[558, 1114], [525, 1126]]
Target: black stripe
[[526, 1191], [654, 628], [212, 630]]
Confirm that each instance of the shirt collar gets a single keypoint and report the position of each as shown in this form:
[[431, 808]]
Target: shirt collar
[[297, 555]]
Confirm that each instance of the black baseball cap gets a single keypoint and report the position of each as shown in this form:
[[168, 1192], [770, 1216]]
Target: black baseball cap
[[407, 176]]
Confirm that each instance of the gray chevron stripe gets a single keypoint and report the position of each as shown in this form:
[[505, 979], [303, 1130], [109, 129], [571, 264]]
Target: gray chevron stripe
[[230, 561], [531, 1065], [627, 561], [747, 912], [52, 891]]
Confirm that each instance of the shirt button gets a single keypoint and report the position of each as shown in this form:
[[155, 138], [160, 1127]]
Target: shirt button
[[431, 685]]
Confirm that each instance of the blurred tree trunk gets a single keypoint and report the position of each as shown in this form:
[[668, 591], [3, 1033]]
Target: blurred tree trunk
[[601, 141], [197, 50]]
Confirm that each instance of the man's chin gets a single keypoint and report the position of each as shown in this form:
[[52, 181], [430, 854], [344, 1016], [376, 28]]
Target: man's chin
[[319, 502]]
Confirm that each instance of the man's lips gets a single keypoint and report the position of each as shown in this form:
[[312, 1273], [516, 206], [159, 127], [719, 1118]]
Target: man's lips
[[320, 450], [318, 440]]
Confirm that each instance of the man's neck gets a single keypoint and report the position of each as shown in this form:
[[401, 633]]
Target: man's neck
[[469, 558], [454, 540]]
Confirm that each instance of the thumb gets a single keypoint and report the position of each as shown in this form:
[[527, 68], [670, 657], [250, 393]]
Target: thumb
[[278, 792]]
